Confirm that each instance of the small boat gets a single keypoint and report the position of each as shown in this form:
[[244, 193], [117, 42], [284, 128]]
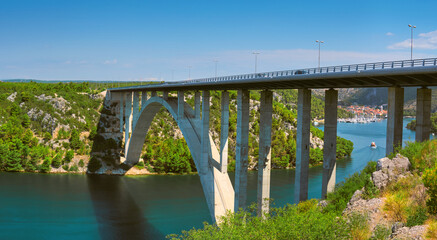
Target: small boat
[[373, 145]]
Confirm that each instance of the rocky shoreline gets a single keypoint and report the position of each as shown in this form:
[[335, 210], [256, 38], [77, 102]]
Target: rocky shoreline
[[388, 171]]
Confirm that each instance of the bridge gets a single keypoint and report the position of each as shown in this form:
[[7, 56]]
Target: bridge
[[138, 105]]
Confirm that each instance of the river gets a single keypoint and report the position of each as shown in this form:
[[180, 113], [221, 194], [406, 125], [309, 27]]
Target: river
[[43, 206]]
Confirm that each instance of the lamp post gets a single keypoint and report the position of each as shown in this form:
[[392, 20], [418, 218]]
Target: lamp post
[[256, 59], [319, 42], [215, 61], [412, 27]]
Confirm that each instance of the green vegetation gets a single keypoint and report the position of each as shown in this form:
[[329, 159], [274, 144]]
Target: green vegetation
[[307, 220], [30, 117], [412, 125]]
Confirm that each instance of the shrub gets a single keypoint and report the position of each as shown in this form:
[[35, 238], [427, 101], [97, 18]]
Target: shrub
[[359, 226], [81, 163], [343, 191], [381, 232], [47, 136], [430, 180], [140, 165], [94, 164], [418, 218], [56, 161], [68, 156], [302, 221], [73, 168], [45, 166], [65, 167]]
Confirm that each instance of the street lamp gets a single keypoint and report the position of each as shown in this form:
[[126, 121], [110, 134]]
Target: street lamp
[[256, 59], [215, 61], [319, 42], [412, 27]]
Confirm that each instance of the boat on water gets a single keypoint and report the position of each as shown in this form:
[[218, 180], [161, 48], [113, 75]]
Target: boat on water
[[373, 145]]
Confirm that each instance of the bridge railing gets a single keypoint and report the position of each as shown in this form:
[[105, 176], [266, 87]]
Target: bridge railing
[[330, 69]]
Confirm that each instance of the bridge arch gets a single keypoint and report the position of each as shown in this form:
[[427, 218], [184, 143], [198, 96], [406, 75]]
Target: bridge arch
[[216, 185]]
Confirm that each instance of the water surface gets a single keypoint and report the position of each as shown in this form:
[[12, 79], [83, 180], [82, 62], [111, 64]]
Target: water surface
[[43, 206]]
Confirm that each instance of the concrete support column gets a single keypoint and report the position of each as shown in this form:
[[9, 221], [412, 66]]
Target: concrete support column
[[121, 113], [197, 105], [165, 95], [330, 142], [241, 149], [181, 101], [423, 114], [224, 132], [135, 109], [153, 94], [128, 119], [204, 161], [264, 161], [302, 144], [143, 99], [395, 117]]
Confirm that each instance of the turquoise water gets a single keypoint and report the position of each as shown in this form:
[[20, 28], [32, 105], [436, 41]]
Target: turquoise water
[[41, 206]]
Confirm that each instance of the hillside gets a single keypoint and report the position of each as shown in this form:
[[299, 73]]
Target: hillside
[[65, 127]]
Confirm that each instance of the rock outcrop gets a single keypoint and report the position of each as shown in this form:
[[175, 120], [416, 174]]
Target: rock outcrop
[[388, 170]]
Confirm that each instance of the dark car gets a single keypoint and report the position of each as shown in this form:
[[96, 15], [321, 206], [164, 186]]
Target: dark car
[[297, 72]]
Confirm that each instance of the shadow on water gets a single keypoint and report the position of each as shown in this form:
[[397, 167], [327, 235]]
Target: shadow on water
[[118, 215]]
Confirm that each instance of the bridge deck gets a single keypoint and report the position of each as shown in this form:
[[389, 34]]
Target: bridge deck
[[407, 73]]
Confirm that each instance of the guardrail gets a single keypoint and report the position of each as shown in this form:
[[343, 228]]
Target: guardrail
[[331, 69]]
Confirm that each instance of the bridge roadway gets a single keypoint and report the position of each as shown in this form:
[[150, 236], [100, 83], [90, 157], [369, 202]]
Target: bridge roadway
[[138, 106]]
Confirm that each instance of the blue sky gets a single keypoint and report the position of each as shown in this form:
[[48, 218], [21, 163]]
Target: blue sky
[[151, 40]]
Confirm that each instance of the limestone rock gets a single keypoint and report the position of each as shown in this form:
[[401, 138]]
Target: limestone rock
[[380, 179], [12, 97], [389, 170], [415, 233], [396, 226]]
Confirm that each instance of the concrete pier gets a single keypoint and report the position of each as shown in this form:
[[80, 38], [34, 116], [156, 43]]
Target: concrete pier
[[302, 144], [224, 132], [395, 114], [165, 95], [197, 104], [143, 99], [264, 160], [135, 109], [423, 114], [128, 119], [330, 142], [241, 163], [121, 116], [181, 101], [204, 160]]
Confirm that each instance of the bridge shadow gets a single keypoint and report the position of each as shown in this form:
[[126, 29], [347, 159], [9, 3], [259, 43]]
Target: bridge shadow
[[118, 215]]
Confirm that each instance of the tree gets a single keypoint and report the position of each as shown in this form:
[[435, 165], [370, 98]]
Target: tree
[[45, 166], [68, 156], [56, 161], [13, 161], [75, 142]]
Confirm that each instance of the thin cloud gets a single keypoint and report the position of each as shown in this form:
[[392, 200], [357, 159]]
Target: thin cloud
[[425, 41], [389, 34], [114, 61]]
